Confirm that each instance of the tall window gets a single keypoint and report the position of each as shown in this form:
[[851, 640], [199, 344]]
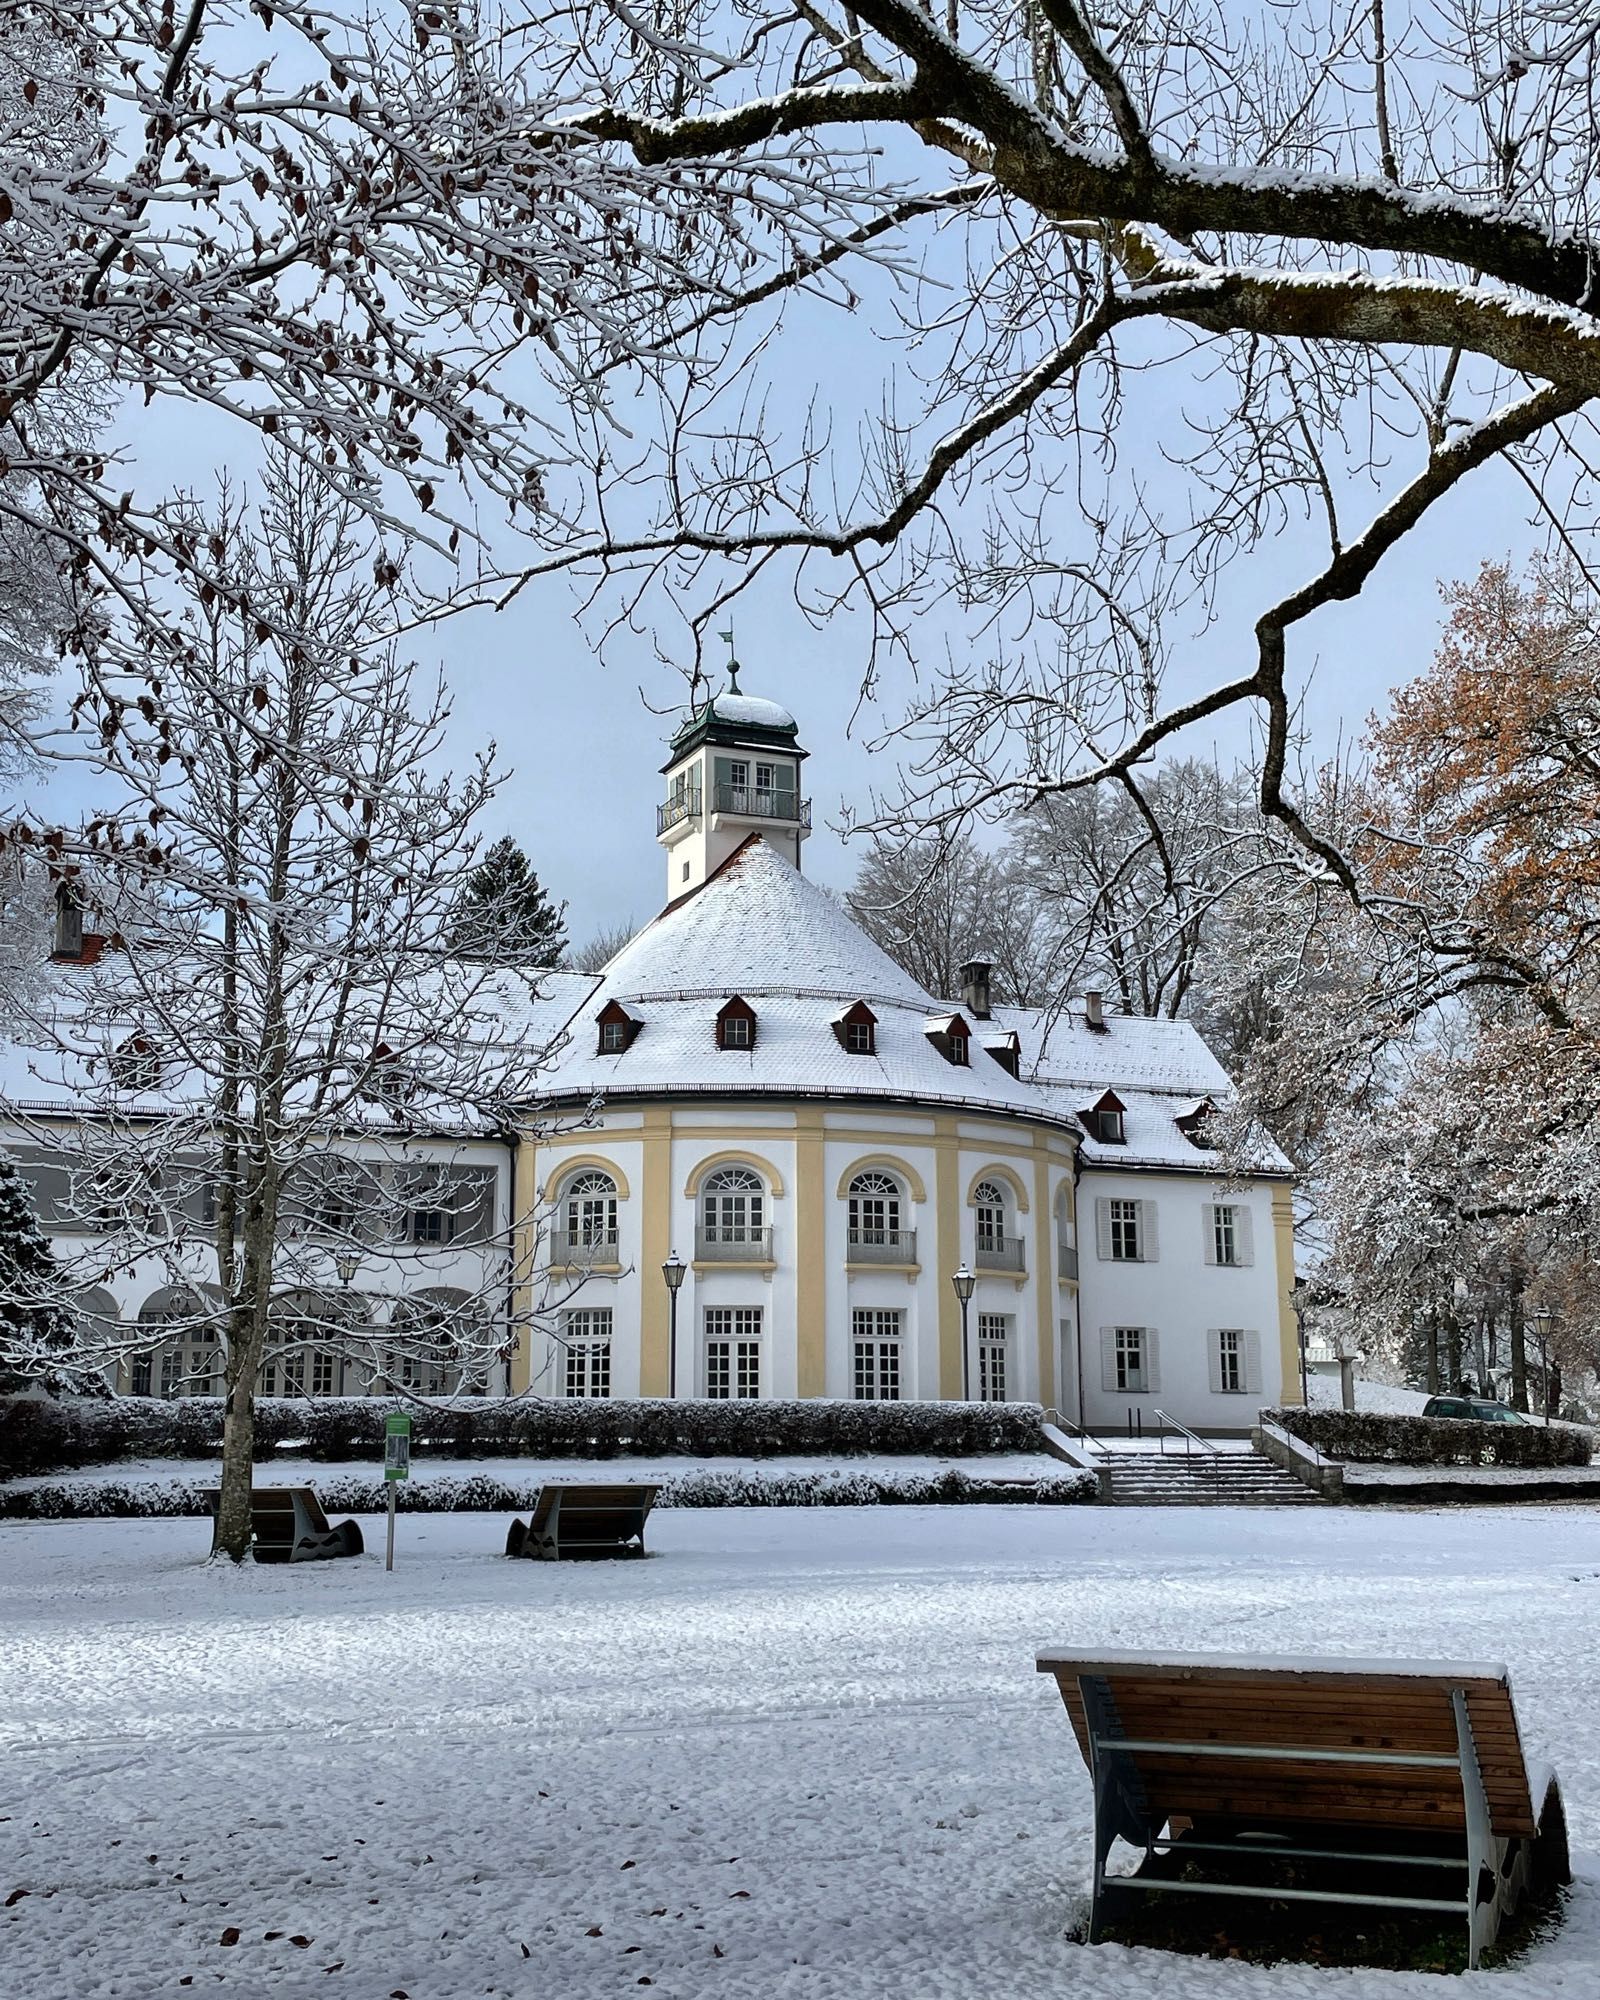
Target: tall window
[[733, 1353], [589, 1205], [1230, 1359], [874, 1209], [875, 1338], [733, 1206], [1124, 1232], [586, 1352], [989, 1199], [1131, 1359], [324, 1373], [994, 1345], [1225, 1233]]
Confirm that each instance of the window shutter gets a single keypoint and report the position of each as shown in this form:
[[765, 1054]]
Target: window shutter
[[1108, 1359], [1252, 1363], [1149, 1248], [1214, 1358], [1243, 1235], [1208, 1229], [1152, 1360], [1102, 1227]]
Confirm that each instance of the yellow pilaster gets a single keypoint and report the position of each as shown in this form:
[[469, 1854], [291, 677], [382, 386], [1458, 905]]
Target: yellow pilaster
[[524, 1255], [810, 1225], [1288, 1325], [947, 1209], [655, 1246], [1044, 1271]]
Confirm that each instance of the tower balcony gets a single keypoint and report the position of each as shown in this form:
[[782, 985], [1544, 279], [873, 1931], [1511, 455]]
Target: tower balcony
[[758, 802], [678, 811]]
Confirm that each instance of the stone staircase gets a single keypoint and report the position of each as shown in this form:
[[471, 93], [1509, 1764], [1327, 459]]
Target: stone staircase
[[1228, 1479]]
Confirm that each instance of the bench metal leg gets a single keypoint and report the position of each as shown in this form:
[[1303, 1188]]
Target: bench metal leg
[[1485, 1855], [1120, 1811]]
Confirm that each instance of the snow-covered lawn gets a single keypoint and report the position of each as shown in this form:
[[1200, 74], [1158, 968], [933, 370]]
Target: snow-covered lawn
[[797, 1754]]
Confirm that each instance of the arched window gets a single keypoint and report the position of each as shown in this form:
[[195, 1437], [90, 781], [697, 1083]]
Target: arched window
[[874, 1210], [733, 1206], [989, 1199], [589, 1210]]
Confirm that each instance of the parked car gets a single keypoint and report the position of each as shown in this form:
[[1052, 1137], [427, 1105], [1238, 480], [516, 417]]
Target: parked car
[[1478, 1409]]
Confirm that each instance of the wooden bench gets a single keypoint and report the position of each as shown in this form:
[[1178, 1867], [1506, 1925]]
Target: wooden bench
[[287, 1524], [573, 1520], [1405, 1777]]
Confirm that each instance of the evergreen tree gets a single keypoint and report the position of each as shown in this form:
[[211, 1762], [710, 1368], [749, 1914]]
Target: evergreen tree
[[32, 1327], [506, 912]]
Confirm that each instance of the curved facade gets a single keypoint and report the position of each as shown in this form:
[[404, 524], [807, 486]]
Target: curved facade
[[752, 1089]]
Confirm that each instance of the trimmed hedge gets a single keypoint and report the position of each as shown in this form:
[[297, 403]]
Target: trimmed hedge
[[1366, 1437], [41, 1436], [487, 1493]]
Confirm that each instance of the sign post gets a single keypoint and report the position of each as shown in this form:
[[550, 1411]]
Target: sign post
[[396, 1466]]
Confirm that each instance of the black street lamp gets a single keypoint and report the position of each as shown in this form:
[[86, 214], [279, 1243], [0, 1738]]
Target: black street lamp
[[672, 1270], [964, 1281], [1542, 1322]]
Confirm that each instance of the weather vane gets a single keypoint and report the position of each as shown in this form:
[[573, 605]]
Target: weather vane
[[733, 664]]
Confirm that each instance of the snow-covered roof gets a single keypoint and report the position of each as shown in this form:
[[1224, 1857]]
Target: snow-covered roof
[[751, 711]]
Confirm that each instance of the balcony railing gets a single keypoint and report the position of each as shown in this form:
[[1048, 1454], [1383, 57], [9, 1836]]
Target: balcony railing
[[1066, 1261], [881, 1246], [571, 1250], [682, 805], [1000, 1253], [761, 802], [731, 1244]]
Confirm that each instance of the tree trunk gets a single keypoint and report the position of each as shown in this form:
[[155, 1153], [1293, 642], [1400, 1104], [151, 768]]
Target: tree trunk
[[248, 1334], [1552, 1390], [1519, 1354], [1433, 1351], [1480, 1351]]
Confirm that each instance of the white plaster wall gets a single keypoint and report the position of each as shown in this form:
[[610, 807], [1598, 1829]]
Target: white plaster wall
[[1181, 1296]]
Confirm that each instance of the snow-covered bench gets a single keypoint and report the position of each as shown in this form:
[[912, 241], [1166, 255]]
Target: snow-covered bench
[[572, 1520], [1396, 1784], [288, 1525]]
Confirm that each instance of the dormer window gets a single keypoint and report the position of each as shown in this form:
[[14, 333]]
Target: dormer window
[[1007, 1052], [1105, 1121], [69, 923], [736, 1025], [857, 1030], [1192, 1124], [951, 1036], [617, 1028], [136, 1066]]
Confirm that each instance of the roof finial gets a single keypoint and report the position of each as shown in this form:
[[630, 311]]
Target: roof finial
[[733, 664]]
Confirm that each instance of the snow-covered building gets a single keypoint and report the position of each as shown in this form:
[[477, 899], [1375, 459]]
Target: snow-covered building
[[824, 1147]]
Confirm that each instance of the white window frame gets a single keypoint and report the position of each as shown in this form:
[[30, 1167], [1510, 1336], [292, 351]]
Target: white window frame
[[877, 1354], [1235, 1235], [589, 1208], [1126, 1218], [725, 1377], [994, 1357], [1116, 1344], [585, 1352], [1234, 1355], [738, 1031], [874, 1210], [733, 1206], [989, 1203]]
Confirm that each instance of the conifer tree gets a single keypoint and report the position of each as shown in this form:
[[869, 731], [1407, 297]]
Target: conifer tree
[[33, 1329], [506, 913]]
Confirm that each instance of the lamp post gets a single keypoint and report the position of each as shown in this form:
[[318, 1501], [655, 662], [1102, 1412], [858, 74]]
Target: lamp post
[[1542, 1321], [672, 1270], [345, 1264], [964, 1281]]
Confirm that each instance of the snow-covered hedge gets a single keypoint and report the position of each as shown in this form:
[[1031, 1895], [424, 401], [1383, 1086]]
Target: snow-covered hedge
[[1368, 1437], [486, 1492], [40, 1436]]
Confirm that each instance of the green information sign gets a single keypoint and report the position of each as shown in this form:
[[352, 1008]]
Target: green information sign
[[397, 1447]]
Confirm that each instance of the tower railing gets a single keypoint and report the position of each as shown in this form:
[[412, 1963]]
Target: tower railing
[[682, 805], [761, 802]]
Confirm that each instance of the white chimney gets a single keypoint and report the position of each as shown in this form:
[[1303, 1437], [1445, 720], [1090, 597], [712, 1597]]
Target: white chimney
[[975, 978], [1094, 1011]]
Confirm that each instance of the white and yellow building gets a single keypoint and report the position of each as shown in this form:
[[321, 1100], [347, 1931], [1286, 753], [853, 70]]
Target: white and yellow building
[[775, 1106]]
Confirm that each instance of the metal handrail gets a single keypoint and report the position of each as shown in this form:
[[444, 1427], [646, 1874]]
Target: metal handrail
[[1190, 1439], [1074, 1427], [760, 802]]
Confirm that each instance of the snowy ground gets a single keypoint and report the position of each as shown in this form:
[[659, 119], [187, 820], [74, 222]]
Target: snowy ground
[[801, 1755], [1322, 1391]]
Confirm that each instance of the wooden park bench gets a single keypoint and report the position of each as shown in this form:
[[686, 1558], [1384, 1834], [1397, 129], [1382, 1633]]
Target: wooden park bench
[[573, 1520], [1394, 1784], [288, 1525]]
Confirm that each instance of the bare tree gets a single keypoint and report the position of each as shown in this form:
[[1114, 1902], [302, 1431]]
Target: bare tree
[[933, 905], [602, 947], [279, 1021]]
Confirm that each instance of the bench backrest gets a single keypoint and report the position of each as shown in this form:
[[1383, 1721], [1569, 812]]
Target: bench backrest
[[278, 1513], [594, 1513], [1340, 1713]]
